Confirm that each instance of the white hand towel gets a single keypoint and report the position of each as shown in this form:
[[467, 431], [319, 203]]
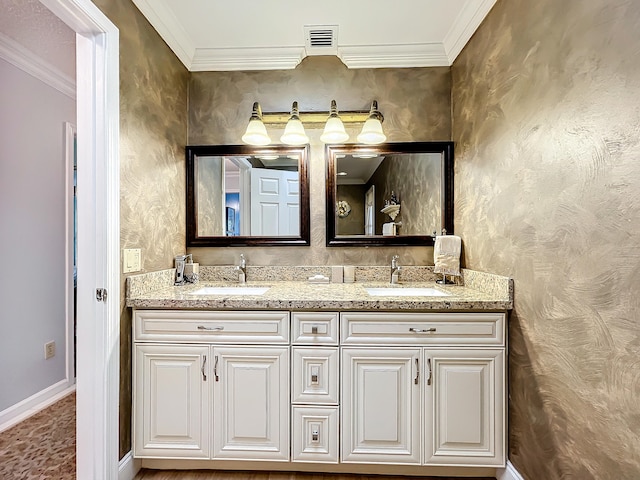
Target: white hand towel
[[446, 254], [388, 229]]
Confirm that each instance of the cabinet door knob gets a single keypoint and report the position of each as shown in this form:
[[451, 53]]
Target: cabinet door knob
[[215, 368], [204, 362], [417, 379], [429, 371]]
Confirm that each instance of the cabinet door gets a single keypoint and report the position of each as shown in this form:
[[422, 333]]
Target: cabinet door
[[251, 403], [171, 401], [464, 407], [380, 405]]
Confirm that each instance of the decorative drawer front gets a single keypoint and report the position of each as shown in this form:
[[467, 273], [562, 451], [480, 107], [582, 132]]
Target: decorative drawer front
[[211, 327], [311, 328], [422, 328], [315, 375], [315, 434]]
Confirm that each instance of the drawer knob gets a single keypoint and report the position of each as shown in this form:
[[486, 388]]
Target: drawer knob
[[214, 329], [422, 330], [314, 329]]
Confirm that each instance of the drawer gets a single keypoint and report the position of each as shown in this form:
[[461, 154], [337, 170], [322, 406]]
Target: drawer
[[315, 434], [423, 328], [315, 328], [211, 327], [315, 375]]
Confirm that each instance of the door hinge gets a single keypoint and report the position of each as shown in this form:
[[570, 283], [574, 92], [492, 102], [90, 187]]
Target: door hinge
[[101, 294]]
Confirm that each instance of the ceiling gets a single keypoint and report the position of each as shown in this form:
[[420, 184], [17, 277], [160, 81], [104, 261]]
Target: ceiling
[[28, 28], [223, 35]]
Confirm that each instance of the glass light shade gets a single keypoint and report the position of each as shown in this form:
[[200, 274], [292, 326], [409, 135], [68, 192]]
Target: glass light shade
[[294, 133], [372, 133], [334, 131], [256, 133]]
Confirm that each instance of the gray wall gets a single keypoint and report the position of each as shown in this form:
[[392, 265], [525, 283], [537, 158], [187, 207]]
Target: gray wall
[[153, 126], [415, 103], [32, 211], [546, 117]]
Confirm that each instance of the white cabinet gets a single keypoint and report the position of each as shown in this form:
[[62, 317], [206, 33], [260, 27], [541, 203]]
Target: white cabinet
[[440, 403], [171, 401], [196, 396], [315, 382], [464, 407], [380, 405], [251, 403], [401, 390]]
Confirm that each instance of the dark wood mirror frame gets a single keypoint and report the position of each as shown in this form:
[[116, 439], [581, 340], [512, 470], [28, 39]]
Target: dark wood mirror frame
[[193, 240], [331, 153]]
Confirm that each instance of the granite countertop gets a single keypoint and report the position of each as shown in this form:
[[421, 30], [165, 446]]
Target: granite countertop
[[301, 295]]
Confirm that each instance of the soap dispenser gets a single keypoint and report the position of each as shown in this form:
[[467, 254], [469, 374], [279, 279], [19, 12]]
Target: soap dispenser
[[180, 261]]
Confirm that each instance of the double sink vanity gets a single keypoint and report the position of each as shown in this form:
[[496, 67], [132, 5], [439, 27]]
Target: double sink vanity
[[361, 377]]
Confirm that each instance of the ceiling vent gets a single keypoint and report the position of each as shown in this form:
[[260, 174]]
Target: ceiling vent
[[321, 39]]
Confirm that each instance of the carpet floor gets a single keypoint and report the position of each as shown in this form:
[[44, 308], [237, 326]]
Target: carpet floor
[[43, 446]]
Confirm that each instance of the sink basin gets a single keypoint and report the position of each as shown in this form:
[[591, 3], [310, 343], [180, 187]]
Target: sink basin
[[405, 292], [230, 291]]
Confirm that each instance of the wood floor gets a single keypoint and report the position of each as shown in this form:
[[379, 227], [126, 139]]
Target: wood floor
[[224, 475]]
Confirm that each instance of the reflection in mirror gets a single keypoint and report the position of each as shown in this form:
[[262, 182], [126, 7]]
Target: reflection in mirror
[[239, 195], [390, 194]]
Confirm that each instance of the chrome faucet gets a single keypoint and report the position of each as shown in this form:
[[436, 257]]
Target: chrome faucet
[[242, 269], [395, 270]]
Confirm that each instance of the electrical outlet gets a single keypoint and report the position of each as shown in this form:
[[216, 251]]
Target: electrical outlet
[[131, 260], [49, 350]]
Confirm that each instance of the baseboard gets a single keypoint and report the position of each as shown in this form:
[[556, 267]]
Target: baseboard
[[35, 403], [509, 473], [129, 467]]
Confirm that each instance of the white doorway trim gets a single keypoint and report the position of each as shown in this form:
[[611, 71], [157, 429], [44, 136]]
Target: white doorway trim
[[69, 155], [98, 325]]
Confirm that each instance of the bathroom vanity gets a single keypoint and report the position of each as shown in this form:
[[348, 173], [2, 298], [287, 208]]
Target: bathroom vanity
[[322, 377]]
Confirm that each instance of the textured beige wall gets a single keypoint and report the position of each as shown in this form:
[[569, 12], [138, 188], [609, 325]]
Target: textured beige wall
[[415, 103], [153, 126], [546, 117], [209, 194], [417, 182], [352, 224]]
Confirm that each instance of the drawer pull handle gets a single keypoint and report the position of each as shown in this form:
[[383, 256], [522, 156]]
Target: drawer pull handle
[[422, 330], [204, 362], [429, 367], [215, 329], [416, 380], [215, 368], [314, 329]]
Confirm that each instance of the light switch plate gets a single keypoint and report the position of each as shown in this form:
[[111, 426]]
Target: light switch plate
[[131, 260]]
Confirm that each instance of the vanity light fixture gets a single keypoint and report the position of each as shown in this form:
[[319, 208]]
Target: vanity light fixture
[[372, 130], [256, 133], [334, 131], [294, 133]]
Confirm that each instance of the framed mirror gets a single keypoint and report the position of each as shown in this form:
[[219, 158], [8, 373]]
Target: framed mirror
[[239, 195], [389, 194]]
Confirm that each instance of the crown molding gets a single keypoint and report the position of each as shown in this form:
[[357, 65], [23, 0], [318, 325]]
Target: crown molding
[[227, 59], [30, 63], [169, 28], [394, 56], [464, 26]]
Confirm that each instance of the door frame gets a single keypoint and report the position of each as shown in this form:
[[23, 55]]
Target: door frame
[[98, 326]]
